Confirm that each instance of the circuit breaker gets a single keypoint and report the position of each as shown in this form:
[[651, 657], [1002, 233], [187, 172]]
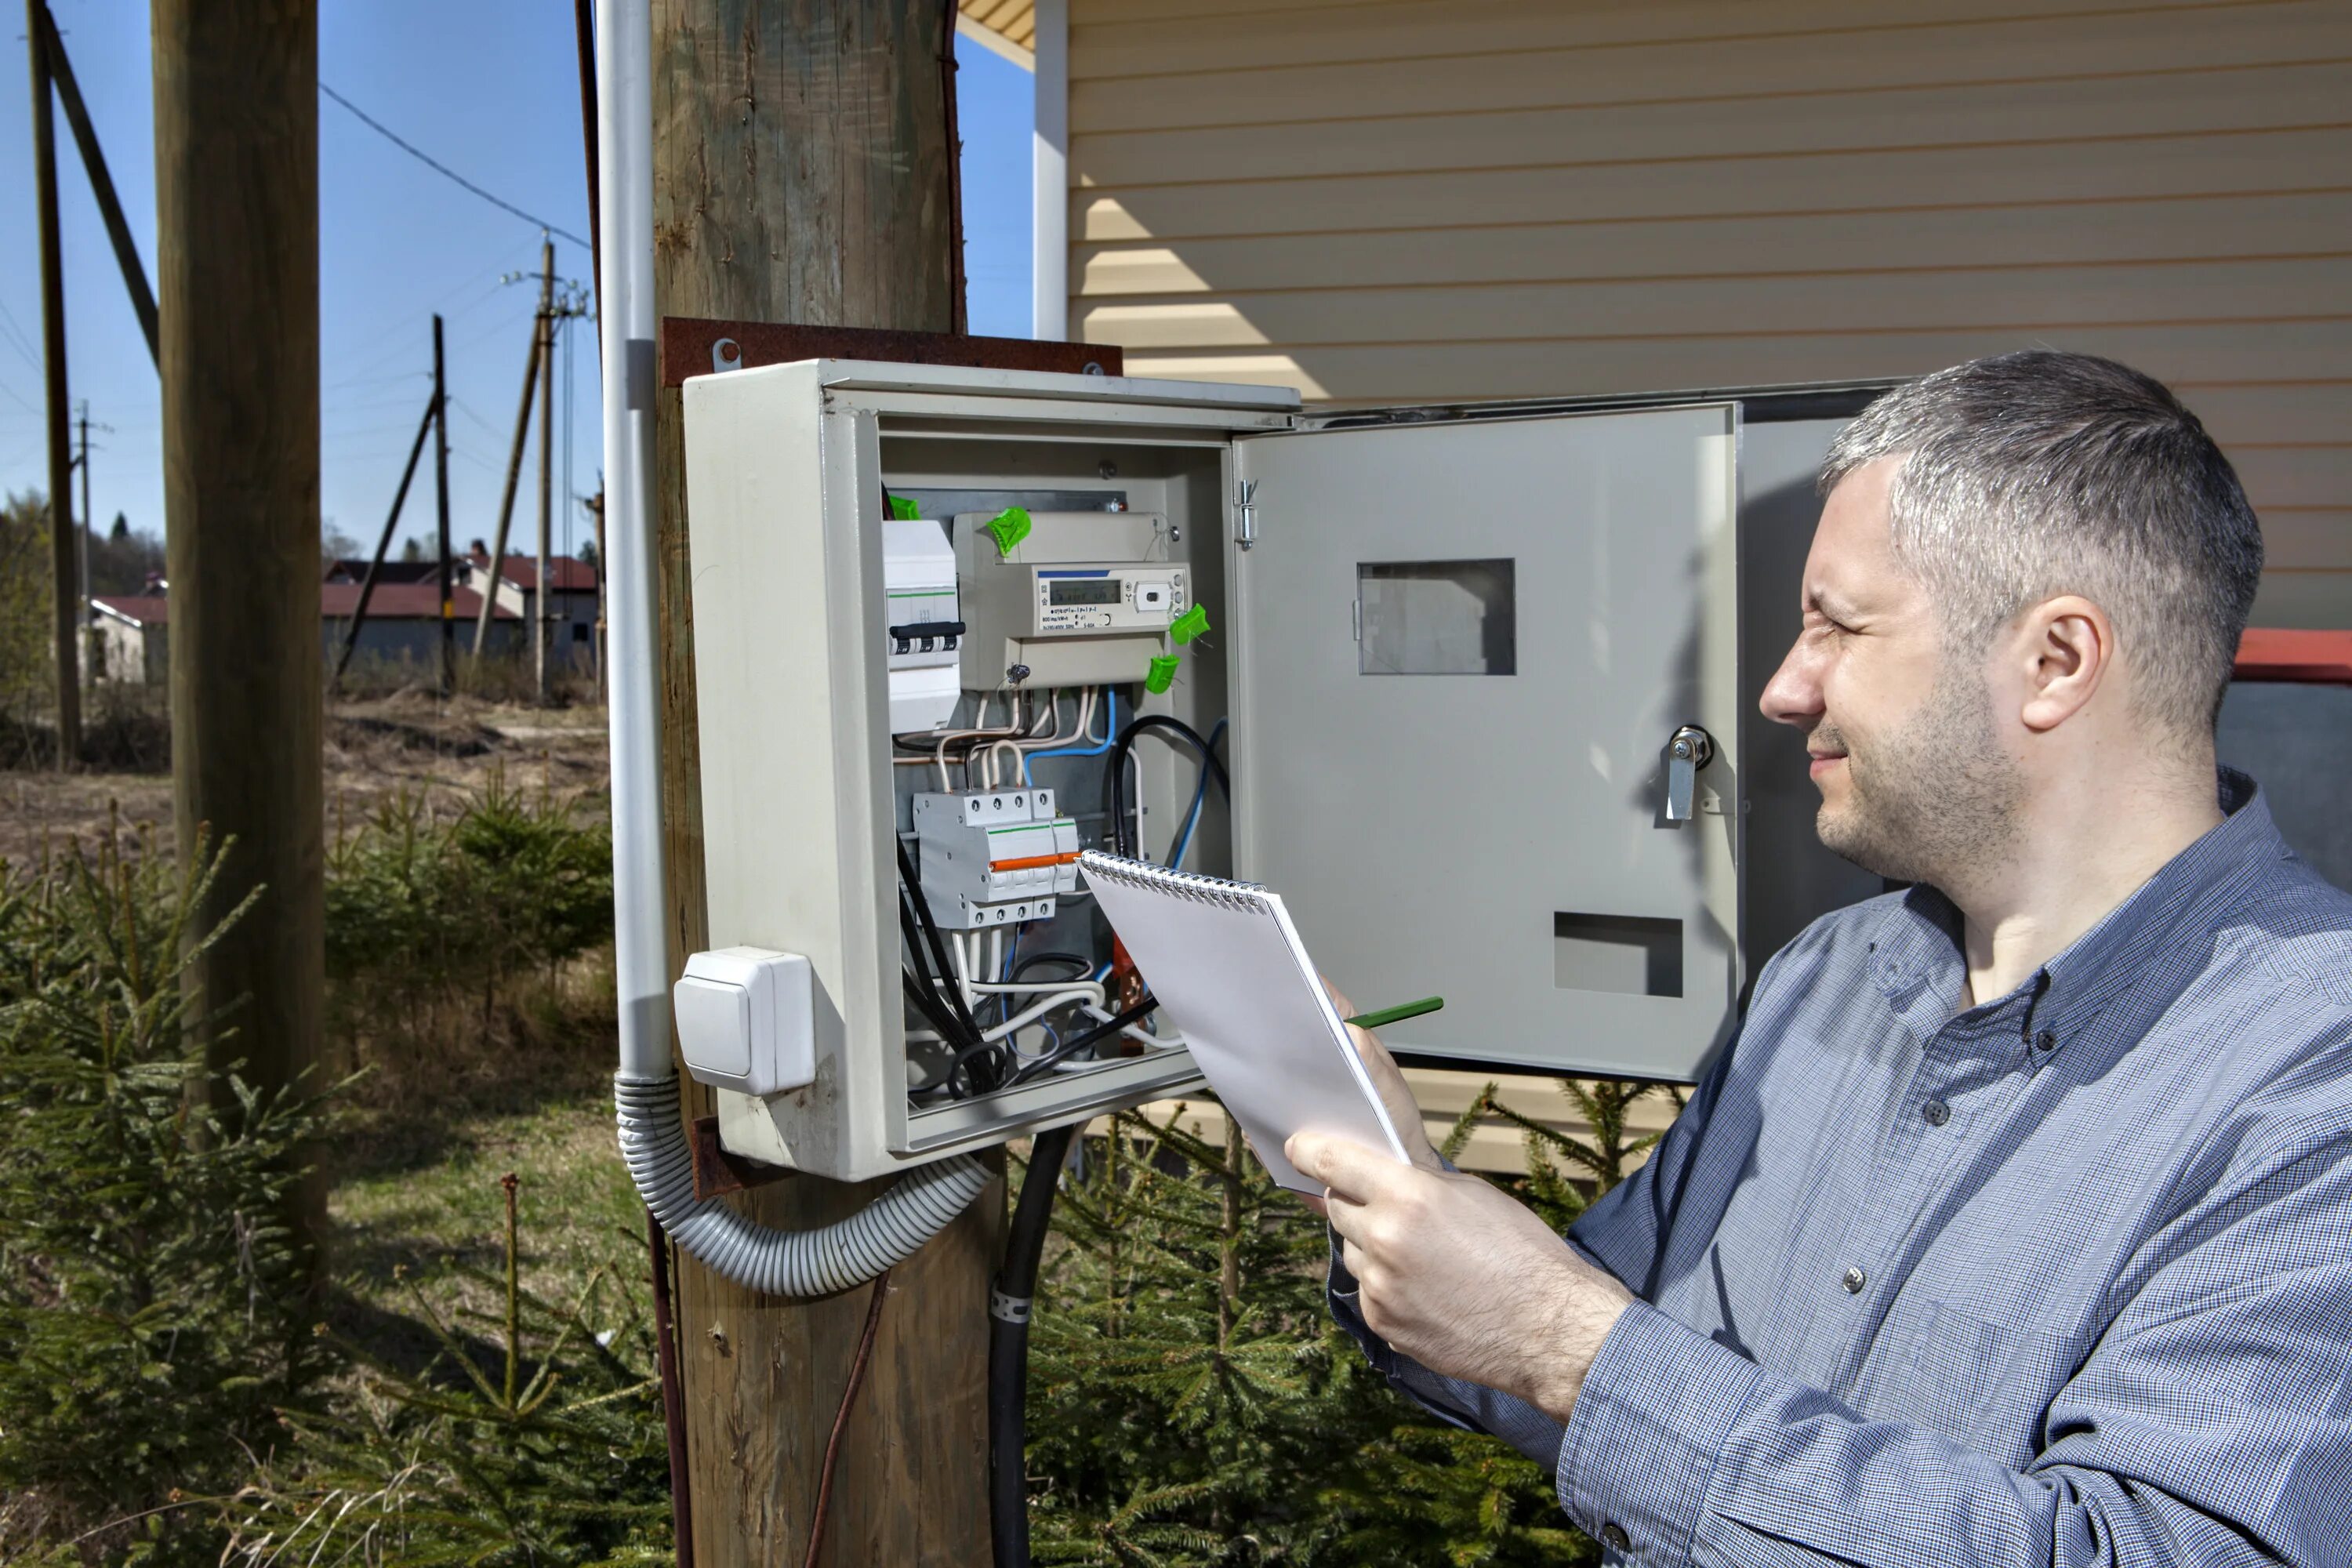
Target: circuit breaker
[[1447, 658]]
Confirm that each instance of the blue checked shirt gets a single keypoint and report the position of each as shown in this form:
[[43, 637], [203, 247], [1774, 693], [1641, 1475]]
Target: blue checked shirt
[[2064, 1278]]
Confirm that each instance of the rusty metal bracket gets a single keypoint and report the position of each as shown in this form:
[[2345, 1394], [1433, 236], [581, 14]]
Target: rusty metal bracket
[[690, 345], [717, 1173]]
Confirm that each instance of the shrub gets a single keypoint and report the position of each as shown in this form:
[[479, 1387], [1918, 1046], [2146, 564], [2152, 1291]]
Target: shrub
[[155, 1315], [490, 1454], [444, 931], [1191, 1402]]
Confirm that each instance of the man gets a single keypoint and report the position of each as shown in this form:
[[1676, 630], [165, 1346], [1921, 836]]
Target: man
[[2016, 1228]]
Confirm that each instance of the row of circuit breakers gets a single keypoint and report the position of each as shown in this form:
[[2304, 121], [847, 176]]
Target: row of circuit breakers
[[1040, 599]]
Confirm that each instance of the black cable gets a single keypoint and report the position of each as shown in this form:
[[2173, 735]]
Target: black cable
[[1008, 1349], [946, 972], [1079, 962], [1122, 831], [1094, 1036]]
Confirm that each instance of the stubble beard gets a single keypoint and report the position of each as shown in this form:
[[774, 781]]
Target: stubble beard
[[1933, 802]]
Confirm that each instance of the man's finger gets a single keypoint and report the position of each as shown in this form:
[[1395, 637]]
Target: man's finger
[[1344, 1165]]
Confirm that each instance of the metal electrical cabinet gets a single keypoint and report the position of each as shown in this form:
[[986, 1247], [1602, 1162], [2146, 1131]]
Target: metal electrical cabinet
[[1484, 679]]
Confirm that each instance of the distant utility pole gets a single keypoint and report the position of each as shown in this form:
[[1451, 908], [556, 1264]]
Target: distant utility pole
[[81, 461], [53, 358], [530, 378], [441, 500], [540, 602], [236, 241]]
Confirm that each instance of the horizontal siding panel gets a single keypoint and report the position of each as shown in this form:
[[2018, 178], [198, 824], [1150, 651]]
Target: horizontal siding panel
[[2276, 96], [1428, 373], [1146, 37], [1558, 76], [2259, 416], [2307, 478], [2318, 600], [2264, 225], [1866, 179], [2031, 300], [2307, 540]]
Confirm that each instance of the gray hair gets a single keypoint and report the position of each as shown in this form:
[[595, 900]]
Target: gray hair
[[2030, 475]]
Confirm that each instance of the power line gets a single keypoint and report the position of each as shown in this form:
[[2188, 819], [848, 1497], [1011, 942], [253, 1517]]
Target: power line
[[442, 169]]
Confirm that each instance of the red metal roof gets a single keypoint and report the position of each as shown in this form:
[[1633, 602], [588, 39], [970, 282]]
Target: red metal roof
[[140, 609], [402, 601], [2313, 658], [571, 576]]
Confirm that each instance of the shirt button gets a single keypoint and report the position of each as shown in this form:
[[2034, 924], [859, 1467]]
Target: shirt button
[[2046, 1040], [1854, 1280], [1936, 1112], [1616, 1537]]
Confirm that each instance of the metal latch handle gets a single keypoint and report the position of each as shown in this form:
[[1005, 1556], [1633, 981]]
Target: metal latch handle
[[1691, 750]]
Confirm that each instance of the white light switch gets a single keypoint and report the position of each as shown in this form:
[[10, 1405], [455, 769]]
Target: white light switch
[[746, 1020]]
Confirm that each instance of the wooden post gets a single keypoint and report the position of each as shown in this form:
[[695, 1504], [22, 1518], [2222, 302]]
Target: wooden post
[[441, 501], [538, 596], [64, 588], [236, 202], [802, 171], [531, 367]]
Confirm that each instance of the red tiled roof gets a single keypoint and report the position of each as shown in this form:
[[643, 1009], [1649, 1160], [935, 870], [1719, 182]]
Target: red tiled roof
[[2267, 653], [140, 609]]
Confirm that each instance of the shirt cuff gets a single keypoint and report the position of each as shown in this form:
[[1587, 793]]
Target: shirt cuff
[[1649, 1426]]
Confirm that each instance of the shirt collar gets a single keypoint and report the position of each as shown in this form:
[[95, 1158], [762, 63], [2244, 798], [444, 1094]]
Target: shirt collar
[[1918, 946]]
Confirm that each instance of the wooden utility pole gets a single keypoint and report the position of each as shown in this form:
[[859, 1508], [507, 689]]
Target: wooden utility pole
[[65, 588], [539, 599], [441, 500], [530, 369], [804, 170], [236, 204]]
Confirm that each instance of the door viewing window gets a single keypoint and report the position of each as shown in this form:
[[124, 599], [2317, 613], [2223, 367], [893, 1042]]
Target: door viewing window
[[1436, 618]]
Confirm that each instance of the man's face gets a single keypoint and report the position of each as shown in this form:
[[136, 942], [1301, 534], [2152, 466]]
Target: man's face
[[1915, 783]]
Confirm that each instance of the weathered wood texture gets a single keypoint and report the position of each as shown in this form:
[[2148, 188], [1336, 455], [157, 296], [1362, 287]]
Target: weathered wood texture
[[802, 174], [1407, 200], [236, 182]]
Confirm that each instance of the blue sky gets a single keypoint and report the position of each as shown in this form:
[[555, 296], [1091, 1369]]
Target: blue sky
[[397, 243]]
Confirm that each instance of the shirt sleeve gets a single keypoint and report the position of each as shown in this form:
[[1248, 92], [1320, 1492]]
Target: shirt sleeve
[[1624, 1231], [1452, 1400], [2211, 1426]]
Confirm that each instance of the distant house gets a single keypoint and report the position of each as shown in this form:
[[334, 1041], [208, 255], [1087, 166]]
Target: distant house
[[572, 598], [402, 626]]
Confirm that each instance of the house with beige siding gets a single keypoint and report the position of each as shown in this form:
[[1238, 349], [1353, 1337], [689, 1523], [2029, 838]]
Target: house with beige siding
[[1412, 201], [1443, 200]]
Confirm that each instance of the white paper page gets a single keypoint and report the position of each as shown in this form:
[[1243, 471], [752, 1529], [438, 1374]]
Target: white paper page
[[1233, 975]]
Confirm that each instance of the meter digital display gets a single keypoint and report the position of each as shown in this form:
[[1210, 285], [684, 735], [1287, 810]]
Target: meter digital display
[[1084, 591]]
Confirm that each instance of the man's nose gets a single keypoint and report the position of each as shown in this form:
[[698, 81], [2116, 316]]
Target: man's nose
[[1793, 695]]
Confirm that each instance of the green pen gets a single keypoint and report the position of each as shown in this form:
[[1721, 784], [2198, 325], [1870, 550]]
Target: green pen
[[1396, 1015]]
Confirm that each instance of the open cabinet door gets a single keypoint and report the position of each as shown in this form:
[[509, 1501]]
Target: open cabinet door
[[1465, 654]]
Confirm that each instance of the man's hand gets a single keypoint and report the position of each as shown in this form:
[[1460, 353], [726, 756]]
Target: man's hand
[[1454, 1274], [1405, 1115]]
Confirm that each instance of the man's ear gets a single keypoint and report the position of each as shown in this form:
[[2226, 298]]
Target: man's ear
[[2063, 648]]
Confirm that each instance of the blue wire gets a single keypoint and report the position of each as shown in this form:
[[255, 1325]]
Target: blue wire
[[1110, 734], [1200, 796]]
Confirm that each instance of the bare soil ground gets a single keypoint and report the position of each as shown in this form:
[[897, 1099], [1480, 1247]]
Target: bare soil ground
[[376, 750]]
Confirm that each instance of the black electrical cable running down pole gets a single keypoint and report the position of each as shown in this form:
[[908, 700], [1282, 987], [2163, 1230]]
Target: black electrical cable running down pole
[[441, 496]]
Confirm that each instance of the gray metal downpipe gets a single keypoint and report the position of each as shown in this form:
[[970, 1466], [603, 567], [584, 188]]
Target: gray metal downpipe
[[646, 1090]]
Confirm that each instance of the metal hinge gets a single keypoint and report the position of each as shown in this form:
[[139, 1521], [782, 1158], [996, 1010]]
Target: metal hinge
[[1244, 513]]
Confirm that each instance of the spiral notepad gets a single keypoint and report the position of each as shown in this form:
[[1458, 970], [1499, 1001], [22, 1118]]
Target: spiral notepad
[[1230, 971]]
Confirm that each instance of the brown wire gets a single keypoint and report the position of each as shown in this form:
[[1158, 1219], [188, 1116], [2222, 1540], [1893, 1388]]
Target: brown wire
[[840, 1418]]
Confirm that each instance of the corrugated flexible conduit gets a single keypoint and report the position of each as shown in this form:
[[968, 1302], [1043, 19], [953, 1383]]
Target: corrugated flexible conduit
[[646, 1090]]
